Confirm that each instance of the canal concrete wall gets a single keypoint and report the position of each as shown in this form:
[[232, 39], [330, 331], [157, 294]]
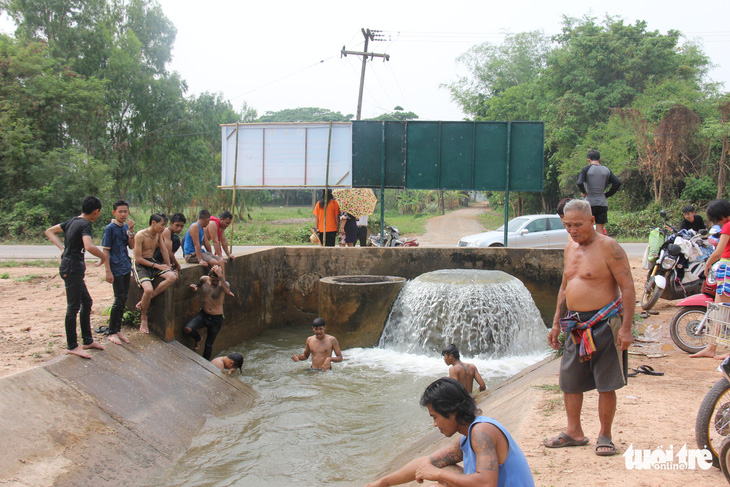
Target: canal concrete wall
[[279, 286], [113, 420]]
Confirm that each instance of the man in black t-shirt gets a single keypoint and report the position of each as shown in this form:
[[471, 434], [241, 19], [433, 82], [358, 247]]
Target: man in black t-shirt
[[78, 240], [691, 221]]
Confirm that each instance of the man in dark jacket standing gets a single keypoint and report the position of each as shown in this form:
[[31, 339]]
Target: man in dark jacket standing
[[592, 182]]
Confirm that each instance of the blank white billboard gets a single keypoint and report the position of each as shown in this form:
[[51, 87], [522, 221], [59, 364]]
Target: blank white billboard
[[286, 155]]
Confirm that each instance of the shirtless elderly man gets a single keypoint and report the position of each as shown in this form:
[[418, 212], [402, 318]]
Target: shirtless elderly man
[[320, 346], [597, 326]]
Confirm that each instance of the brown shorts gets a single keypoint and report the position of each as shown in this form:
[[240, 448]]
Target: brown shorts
[[193, 259], [606, 371], [143, 273]]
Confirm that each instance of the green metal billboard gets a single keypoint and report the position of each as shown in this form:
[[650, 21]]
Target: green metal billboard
[[481, 156]]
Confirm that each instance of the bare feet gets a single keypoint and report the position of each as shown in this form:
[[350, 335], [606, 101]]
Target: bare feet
[[78, 351], [115, 339], [722, 357], [143, 328], [705, 352], [95, 345], [122, 337]]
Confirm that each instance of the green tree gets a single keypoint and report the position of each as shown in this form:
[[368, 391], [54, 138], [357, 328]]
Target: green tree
[[397, 115], [45, 109], [495, 69], [306, 114]]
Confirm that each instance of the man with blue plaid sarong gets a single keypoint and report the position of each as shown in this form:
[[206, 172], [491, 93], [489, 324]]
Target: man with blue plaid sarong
[[596, 305]]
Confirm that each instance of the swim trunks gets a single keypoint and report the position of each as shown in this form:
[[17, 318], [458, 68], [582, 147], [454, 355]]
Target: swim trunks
[[600, 213], [143, 273], [723, 280], [608, 367]]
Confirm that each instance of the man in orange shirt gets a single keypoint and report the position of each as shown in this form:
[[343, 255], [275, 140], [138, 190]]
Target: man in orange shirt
[[333, 218]]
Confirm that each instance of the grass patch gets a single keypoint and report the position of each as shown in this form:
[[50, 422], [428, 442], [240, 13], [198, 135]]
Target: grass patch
[[5, 275], [263, 233], [491, 220], [28, 278], [29, 263], [552, 405], [549, 387]]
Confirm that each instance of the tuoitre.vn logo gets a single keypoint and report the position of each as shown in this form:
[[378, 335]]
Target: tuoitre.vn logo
[[666, 459]]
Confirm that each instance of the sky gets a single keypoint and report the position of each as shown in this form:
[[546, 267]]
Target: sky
[[278, 54]]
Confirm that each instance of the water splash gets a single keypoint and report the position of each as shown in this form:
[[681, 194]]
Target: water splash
[[484, 313]]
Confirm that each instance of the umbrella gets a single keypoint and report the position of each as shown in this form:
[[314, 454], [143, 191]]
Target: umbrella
[[356, 201]]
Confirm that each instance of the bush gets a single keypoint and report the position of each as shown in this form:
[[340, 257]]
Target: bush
[[636, 225], [700, 190]]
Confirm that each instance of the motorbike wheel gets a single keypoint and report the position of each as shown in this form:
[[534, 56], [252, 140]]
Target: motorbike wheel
[[683, 329], [713, 419], [651, 294], [725, 458]]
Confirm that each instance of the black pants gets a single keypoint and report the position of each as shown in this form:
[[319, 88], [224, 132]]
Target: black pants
[[203, 320], [77, 300], [121, 291], [362, 235], [331, 237]]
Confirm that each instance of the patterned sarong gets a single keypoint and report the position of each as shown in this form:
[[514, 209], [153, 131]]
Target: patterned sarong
[[581, 331]]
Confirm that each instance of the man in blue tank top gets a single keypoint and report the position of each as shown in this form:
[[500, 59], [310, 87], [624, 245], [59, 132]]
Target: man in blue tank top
[[490, 455]]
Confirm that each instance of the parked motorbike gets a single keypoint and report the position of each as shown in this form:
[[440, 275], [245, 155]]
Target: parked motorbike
[[392, 239], [672, 275], [713, 421], [688, 327]]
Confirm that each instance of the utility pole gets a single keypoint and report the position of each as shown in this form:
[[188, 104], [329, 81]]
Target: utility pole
[[370, 35]]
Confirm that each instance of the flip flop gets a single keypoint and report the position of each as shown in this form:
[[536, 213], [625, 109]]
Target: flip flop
[[563, 440], [633, 373], [647, 369], [605, 442]]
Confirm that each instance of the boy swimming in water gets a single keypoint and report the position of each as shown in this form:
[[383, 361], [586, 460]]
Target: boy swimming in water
[[229, 363], [320, 346], [461, 371]]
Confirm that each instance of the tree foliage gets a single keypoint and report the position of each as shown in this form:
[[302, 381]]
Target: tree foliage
[[639, 96]]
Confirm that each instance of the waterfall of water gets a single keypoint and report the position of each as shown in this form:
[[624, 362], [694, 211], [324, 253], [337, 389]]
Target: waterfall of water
[[484, 313]]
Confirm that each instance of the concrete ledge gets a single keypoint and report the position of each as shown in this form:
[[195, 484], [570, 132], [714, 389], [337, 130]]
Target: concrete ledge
[[122, 415]]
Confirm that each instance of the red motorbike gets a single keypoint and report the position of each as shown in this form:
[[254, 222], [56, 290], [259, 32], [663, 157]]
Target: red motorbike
[[688, 327]]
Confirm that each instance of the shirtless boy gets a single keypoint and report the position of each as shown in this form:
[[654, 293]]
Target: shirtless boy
[[229, 363], [595, 310], [320, 346], [214, 290], [78, 241], [146, 268], [170, 239], [463, 372]]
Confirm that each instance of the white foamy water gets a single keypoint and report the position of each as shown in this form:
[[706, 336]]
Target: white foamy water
[[484, 313]]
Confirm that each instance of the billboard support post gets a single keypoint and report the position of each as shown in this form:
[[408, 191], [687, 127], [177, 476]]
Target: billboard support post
[[506, 183], [233, 204], [382, 187], [326, 188]]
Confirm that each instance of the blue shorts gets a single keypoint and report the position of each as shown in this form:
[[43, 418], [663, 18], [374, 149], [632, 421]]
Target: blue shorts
[[723, 279]]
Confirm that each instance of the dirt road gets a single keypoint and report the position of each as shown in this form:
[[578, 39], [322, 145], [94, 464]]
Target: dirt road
[[446, 230]]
